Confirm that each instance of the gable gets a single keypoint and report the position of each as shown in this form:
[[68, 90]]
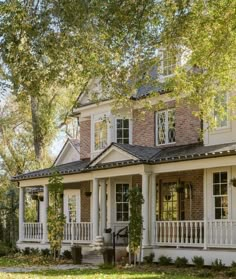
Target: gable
[[68, 154], [92, 93], [113, 154]]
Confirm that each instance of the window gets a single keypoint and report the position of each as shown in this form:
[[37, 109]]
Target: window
[[165, 126], [72, 208], [122, 204], [122, 130], [100, 135], [168, 63], [220, 195], [169, 202], [221, 111]]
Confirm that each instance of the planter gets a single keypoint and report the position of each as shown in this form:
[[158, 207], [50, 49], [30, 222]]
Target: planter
[[107, 238], [108, 256], [76, 252], [233, 181]]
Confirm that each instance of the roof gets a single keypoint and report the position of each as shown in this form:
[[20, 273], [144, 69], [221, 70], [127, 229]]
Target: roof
[[144, 155]]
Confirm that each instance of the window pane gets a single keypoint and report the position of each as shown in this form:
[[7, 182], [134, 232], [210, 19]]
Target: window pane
[[216, 189], [218, 213], [224, 212], [126, 133], [218, 202], [119, 216], [119, 207], [126, 141], [122, 131], [216, 177], [224, 177], [122, 205], [125, 217], [223, 189], [119, 123], [100, 134], [126, 207], [126, 123], [119, 197], [119, 188]]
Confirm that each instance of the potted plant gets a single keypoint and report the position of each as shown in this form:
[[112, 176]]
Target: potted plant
[[233, 181], [34, 197], [107, 236]]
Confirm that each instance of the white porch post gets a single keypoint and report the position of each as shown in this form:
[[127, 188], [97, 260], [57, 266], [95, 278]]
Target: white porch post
[[95, 196], [205, 209], [45, 214], [21, 214], [103, 205], [153, 208], [145, 210]]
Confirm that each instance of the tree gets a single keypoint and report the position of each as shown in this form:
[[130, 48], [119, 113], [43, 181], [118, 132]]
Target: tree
[[56, 218], [136, 200]]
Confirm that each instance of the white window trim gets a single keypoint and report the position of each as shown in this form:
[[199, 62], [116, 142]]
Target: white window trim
[[120, 182], [130, 128], [228, 194], [166, 127], [78, 206], [98, 118]]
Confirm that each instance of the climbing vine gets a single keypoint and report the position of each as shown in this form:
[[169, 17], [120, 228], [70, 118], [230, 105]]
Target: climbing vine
[[136, 200], [56, 218]]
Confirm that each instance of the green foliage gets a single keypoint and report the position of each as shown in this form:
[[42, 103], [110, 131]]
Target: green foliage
[[217, 265], [163, 260], [230, 273], [26, 251], [149, 259], [67, 254], [56, 218], [198, 261], [181, 262], [135, 198], [233, 264], [45, 252], [205, 274]]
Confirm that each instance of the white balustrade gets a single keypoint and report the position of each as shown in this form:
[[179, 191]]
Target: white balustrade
[[78, 232], [220, 233], [33, 232]]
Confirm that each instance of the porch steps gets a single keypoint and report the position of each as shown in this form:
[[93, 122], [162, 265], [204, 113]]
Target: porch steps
[[93, 257]]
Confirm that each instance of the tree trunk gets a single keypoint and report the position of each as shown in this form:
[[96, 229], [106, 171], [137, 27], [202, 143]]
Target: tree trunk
[[37, 132]]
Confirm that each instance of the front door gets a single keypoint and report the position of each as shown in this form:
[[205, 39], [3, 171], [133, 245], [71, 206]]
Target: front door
[[72, 206]]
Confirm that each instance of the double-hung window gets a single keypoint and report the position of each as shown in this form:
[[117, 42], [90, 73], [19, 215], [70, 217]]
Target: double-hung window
[[220, 194], [168, 62], [221, 111], [122, 203], [165, 126], [122, 131], [100, 134]]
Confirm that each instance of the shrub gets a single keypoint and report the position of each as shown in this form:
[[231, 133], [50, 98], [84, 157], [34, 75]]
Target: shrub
[[4, 250], [217, 265], [45, 252], [106, 266], [149, 259], [198, 261], [205, 274], [233, 264], [181, 262], [163, 260], [67, 254], [26, 251], [230, 273], [34, 251]]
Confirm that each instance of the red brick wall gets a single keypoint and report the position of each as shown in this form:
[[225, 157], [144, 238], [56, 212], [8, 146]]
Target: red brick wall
[[196, 179], [85, 139], [144, 128], [187, 127]]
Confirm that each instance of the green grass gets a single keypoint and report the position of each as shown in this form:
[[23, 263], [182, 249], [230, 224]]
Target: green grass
[[96, 274]]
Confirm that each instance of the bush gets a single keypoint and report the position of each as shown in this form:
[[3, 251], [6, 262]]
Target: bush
[[149, 259], [198, 261], [181, 262], [217, 265], [205, 274], [26, 251], [230, 273], [163, 260], [233, 264], [106, 266], [67, 254], [4, 250], [34, 251], [45, 252]]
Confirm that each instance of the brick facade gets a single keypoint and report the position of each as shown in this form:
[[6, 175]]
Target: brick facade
[[85, 139], [187, 127]]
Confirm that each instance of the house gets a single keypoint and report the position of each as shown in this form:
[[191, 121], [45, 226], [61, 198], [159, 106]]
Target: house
[[189, 200]]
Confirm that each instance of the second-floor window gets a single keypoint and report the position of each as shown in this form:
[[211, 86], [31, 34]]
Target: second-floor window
[[165, 126], [221, 112], [100, 134], [168, 63], [122, 131]]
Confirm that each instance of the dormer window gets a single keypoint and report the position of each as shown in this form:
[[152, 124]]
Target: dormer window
[[221, 118], [165, 126], [122, 131], [168, 63]]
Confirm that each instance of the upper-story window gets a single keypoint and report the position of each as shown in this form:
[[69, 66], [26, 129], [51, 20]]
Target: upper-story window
[[100, 134], [122, 131], [165, 126], [221, 112], [168, 63]]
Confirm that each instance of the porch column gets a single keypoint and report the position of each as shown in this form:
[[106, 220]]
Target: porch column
[[95, 196], [145, 210], [45, 214], [205, 209], [21, 214], [103, 205], [153, 208]]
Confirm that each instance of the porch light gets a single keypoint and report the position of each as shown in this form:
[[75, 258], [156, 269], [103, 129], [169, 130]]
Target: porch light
[[88, 194], [233, 181]]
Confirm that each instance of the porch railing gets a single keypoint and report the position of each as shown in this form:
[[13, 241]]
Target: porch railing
[[33, 231], [78, 232], [220, 233]]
